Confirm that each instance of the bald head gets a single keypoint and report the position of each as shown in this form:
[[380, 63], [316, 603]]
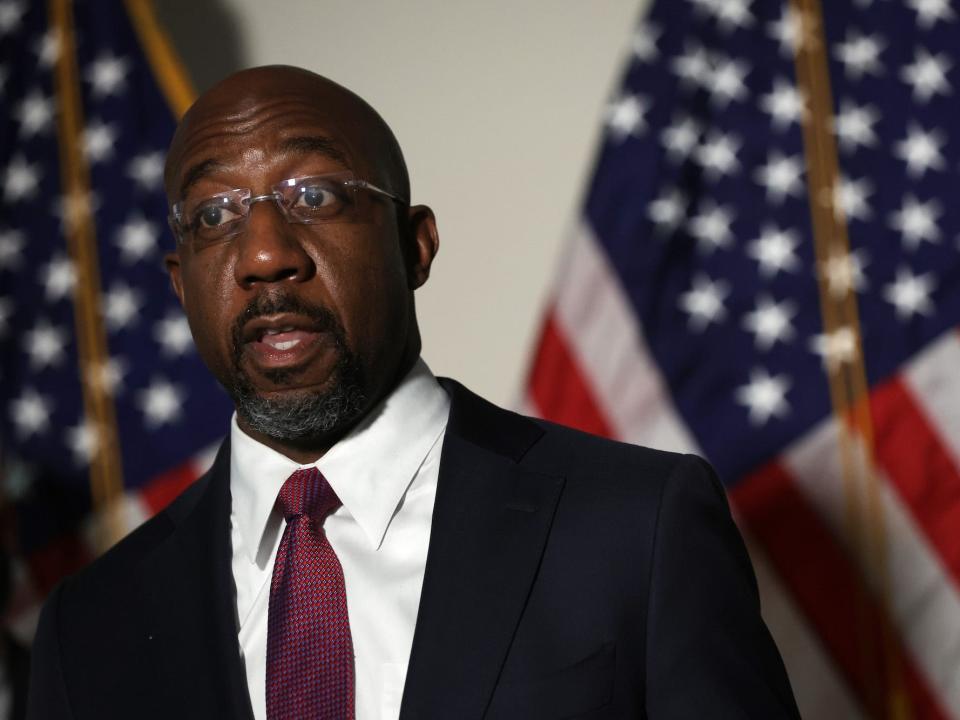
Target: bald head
[[359, 137]]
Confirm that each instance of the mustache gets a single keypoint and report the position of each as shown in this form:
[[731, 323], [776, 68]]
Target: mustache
[[275, 303]]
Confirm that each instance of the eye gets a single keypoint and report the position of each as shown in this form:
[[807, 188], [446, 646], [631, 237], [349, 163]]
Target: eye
[[213, 215], [316, 196]]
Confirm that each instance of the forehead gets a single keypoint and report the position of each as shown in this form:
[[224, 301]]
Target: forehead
[[255, 135]]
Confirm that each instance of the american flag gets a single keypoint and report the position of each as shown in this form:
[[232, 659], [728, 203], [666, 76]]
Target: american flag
[[698, 308], [104, 402]]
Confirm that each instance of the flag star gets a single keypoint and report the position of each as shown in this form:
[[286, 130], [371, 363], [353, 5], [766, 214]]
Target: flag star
[[34, 113], [764, 396], [644, 42], [731, 14], [853, 126], [108, 75], [48, 49], [910, 294], [788, 31], [692, 66], [173, 334], [781, 176], [161, 403], [6, 312], [12, 243], [711, 227], [725, 81], [84, 441], [717, 155], [137, 239], [770, 322], [774, 250], [30, 413], [147, 170], [45, 344], [931, 11], [76, 207], [668, 210], [836, 348], [784, 104], [921, 150], [98, 141], [109, 374], [58, 277], [20, 179], [703, 302], [11, 15], [917, 221], [844, 272], [680, 137], [120, 305], [927, 75], [860, 54], [850, 198], [625, 116]]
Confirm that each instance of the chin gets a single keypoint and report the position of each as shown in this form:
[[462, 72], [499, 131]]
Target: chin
[[303, 414]]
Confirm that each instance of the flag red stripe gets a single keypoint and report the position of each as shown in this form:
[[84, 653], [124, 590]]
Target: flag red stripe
[[826, 586], [559, 388], [920, 466]]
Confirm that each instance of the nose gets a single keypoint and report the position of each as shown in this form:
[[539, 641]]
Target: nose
[[269, 249]]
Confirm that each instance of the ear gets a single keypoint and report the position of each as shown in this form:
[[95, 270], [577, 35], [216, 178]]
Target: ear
[[423, 243], [172, 261]]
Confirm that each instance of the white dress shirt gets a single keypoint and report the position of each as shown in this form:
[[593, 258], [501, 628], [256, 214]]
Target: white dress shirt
[[385, 472]]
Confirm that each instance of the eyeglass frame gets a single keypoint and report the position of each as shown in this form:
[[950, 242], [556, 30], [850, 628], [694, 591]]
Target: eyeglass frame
[[247, 199]]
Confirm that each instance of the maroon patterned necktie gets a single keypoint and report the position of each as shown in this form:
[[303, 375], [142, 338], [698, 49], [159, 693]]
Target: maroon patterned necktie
[[309, 648]]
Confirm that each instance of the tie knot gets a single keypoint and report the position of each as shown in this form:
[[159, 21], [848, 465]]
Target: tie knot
[[307, 492]]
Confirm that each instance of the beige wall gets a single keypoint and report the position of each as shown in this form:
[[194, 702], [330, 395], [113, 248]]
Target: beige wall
[[497, 106]]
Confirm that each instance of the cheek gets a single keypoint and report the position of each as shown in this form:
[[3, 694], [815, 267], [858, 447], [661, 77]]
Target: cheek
[[208, 306], [368, 287]]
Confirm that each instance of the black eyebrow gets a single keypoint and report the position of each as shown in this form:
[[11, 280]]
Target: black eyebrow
[[301, 145], [196, 172], [315, 144]]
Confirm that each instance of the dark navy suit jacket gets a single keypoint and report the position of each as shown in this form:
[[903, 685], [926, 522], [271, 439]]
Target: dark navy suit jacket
[[567, 577]]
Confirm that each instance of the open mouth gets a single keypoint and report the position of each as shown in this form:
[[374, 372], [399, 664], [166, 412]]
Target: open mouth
[[283, 340]]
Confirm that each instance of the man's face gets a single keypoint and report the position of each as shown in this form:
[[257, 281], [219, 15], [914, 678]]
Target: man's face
[[306, 325]]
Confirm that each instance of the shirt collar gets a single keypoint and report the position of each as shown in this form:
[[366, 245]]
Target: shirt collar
[[370, 469]]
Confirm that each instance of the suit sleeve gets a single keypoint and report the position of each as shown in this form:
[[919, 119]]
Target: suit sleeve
[[47, 696], [708, 652]]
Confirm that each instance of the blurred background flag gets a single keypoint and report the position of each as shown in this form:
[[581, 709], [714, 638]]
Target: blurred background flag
[[106, 411], [767, 271]]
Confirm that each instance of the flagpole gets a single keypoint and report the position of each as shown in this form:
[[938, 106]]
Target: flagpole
[[866, 524], [169, 72], [106, 473]]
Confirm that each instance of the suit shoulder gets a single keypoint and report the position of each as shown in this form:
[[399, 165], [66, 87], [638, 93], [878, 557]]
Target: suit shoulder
[[574, 448], [115, 566]]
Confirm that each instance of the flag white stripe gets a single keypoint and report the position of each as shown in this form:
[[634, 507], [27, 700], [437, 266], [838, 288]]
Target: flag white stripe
[[818, 689], [924, 603], [602, 331], [933, 377]]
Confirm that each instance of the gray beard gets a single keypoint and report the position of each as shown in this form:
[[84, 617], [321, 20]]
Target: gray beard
[[299, 415]]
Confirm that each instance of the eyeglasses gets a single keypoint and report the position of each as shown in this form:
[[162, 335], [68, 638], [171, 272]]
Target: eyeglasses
[[337, 197]]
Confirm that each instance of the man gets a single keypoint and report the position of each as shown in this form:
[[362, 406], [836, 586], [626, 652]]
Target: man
[[369, 541]]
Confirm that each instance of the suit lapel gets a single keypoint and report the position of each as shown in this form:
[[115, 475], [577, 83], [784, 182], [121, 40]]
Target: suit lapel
[[490, 525], [188, 590]]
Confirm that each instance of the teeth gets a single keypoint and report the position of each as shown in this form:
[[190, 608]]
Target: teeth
[[285, 345], [277, 331]]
